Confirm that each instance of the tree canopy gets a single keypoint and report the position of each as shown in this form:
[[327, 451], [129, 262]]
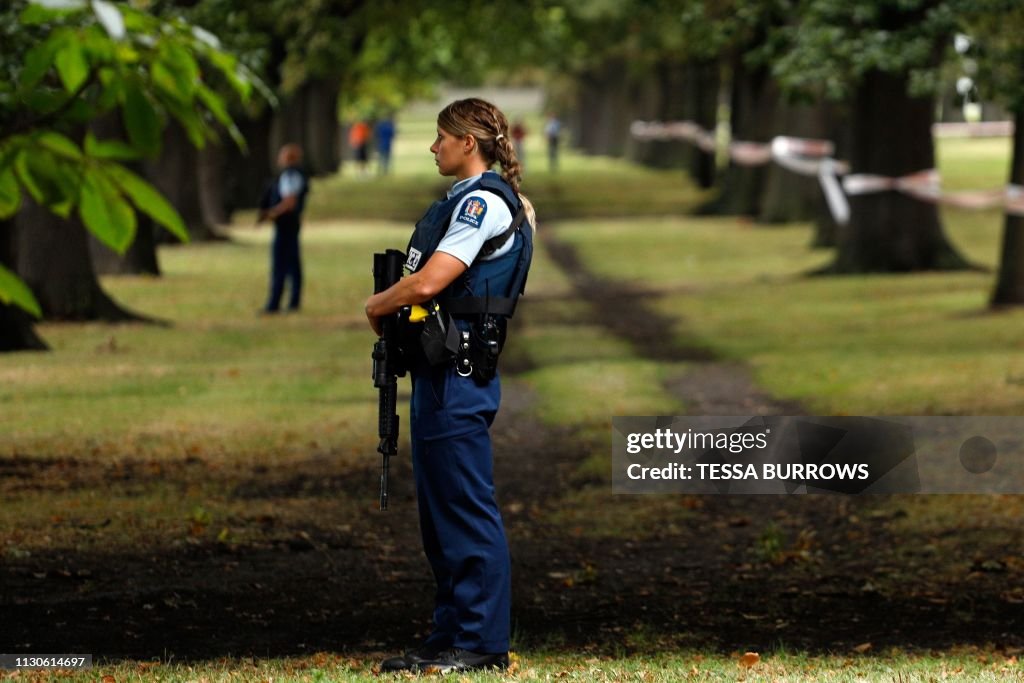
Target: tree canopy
[[69, 62]]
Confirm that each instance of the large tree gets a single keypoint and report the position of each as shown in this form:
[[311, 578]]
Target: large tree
[[883, 58], [67, 64], [998, 52]]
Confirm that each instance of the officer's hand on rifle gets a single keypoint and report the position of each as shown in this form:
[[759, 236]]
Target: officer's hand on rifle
[[374, 321]]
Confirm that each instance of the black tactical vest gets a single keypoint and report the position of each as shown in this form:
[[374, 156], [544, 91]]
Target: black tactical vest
[[272, 197], [487, 287]]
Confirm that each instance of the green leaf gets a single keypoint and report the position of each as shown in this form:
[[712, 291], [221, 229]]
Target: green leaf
[[138, 22], [52, 181], [235, 74], [215, 104], [109, 149], [38, 61], [24, 174], [141, 120], [44, 12], [59, 144], [14, 291], [190, 120], [105, 212], [10, 195], [147, 199], [183, 64], [167, 81], [72, 66], [98, 47]]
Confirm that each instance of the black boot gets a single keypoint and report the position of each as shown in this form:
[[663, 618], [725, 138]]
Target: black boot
[[457, 659], [412, 658]]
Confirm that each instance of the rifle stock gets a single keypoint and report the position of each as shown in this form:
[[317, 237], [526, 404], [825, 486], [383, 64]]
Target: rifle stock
[[387, 366]]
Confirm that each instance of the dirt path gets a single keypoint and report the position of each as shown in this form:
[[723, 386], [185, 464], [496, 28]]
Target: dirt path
[[331, 573]]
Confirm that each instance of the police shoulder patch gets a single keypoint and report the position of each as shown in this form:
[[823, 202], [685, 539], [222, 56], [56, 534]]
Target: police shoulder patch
[[473, 211]]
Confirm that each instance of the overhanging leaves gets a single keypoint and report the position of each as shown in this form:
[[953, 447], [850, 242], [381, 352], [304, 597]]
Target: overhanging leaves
[[72, 66], [109, 149], [10, 195], [140, 119], [105, 212], [147, 199], [15, 292]]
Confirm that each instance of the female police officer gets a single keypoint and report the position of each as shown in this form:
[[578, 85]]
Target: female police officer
[[469, 256]]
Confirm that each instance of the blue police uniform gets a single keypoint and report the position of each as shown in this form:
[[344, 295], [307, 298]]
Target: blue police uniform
[[461, 526], [285, 260]]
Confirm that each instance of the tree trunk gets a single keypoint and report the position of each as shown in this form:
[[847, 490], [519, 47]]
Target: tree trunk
[[606, 109], [210, 164], [994, 111], [790, 197], [890, 231], [755, 97], [1009, 289], [289, 122], [176, 175], [309, 117], [320, 140], [247, 174], [139, 259], [952, 104], [705, 83], [17, 331], [589, 112], [53, 259], [662, 96]]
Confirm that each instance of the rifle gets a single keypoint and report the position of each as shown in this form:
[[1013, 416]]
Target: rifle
[[388, 366]]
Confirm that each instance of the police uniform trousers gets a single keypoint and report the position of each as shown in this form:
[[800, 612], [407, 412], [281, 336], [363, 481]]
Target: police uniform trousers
[[461, 526], [285, 264]]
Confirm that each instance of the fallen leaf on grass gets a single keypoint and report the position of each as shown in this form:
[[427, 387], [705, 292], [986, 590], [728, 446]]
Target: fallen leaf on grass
[[862, 648], [749, 659]]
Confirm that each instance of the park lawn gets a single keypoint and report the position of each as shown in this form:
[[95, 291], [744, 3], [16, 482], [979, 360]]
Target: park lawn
[[916, 344], [968, 664], [221, 380], [229, 389], [585, 187], [224, 386]]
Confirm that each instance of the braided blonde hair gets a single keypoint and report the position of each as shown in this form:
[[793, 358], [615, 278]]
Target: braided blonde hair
[[489, 127]]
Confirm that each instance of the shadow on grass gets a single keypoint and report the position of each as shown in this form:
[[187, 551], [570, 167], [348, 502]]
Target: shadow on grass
[[310, 565], [199, 559]]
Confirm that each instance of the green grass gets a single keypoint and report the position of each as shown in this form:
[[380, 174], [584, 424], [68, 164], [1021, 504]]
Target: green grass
[[782, 666], [222, 379], [898, 344], [228, 387], [974, 163]]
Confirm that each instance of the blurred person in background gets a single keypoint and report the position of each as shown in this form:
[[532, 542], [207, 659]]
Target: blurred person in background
[[283, 202]]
